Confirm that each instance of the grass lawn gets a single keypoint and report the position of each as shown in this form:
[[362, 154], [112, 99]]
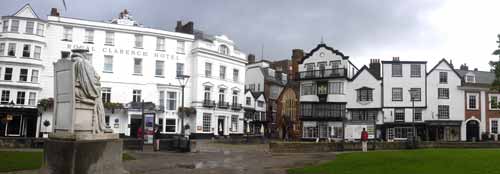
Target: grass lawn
[[427, 161], [12, 161]]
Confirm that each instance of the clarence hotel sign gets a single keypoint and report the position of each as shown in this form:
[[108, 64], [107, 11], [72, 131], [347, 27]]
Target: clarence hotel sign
[[128, 52]]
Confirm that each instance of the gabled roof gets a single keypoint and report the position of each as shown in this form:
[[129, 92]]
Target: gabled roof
[[256, 95], [363, 69], [322, 45], [23, 9], [449, 65]]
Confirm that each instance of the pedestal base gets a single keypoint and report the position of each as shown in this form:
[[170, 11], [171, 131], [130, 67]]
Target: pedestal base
[[83, 157]]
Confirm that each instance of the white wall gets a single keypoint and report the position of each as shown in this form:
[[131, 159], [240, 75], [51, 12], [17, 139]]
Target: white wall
[[456, 97], [406, 82]]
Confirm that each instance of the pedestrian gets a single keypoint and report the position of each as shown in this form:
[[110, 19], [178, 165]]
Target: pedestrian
[[364, 140], [156, 137], [139, 133]]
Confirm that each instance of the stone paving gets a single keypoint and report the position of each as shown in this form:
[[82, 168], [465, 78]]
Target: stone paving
[[222, 159], [218, 159]]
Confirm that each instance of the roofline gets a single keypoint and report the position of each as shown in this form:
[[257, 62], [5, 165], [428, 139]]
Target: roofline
[[449, 65], [361, 70], [27, 4], [337, 52], [405, 62]]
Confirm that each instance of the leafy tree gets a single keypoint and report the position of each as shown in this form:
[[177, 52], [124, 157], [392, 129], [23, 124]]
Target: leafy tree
[[495, 67]]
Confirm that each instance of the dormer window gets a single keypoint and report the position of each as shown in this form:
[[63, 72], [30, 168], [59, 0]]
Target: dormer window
[[223, 49], [470, 79]]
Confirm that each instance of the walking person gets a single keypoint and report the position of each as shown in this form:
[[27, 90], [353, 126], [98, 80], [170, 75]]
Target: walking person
[[364, 140], [156, 138]]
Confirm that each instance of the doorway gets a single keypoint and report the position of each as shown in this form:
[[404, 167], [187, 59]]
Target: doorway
[[135, 124], [472, 130], [220, 123]]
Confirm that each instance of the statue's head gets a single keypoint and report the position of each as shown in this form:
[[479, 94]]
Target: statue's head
[[79, 53]]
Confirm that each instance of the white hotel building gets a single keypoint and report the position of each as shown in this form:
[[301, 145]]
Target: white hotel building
[[135, 64]]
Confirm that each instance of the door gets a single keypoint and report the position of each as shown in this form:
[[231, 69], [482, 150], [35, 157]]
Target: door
[[135, 123], [472, 130], [14, 126], [220, 124]]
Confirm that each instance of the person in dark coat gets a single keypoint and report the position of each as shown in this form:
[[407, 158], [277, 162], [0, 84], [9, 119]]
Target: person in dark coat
[[156, 138]]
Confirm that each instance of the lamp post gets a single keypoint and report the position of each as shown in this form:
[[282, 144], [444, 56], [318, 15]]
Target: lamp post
[[412, 98], [183, 79]]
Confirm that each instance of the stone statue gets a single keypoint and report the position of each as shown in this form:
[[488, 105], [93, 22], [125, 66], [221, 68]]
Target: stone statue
[[88, 89]]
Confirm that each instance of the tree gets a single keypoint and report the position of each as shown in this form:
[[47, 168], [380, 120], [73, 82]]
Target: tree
[[495, 65]]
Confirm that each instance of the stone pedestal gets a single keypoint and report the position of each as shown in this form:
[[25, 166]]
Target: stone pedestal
[[70, 156]]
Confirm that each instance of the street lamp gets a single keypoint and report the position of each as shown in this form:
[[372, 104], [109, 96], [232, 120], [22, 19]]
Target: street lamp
[[413, 94], [183, 80]]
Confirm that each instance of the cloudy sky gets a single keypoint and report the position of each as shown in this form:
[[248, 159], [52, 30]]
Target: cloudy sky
[[430, 30]]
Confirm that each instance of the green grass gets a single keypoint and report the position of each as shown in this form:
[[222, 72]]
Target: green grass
[[428, 161], [127, 157], [12, 161]]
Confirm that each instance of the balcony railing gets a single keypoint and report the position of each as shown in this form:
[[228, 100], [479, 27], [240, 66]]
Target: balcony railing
[[208, 103], [320, 74], [223, 105], [236, 106]]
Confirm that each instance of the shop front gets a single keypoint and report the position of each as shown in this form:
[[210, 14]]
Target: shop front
[[18, 122]]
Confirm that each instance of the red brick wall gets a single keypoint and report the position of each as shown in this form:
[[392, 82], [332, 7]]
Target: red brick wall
[[470, 113], [490, 113]]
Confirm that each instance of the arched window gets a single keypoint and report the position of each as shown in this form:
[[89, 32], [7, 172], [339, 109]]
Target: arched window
[[223, 49]]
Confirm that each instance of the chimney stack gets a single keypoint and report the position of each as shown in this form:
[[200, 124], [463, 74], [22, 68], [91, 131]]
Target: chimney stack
[[374, 67], [297, 56], [54, 12], [395, 58], [251, 59], [464, 67], [451, 63]]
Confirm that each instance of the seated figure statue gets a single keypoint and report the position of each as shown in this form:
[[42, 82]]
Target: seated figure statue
[[88, 89]]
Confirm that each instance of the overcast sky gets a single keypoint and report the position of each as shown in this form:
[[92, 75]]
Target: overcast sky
[[430, 30]]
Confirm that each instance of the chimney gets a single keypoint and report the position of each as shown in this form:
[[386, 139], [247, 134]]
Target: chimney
[[395, 58], [297, 56], [251, 58], [187, 28], [451, 64], [54, 12], [464, 67], [374, 67]]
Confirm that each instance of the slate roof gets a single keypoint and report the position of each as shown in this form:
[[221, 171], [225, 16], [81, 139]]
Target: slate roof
[[481, 77]]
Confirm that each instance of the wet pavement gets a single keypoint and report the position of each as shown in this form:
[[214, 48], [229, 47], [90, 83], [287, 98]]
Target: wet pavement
[[222, 159], [218, 159]]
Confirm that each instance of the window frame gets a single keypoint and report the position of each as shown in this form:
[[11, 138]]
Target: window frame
[[476, 101], [443, 111], [393, 94], [442, 91], [106, 94], [137, 67], [26, 52], [159, 68], [414, 69], [109, 38], [136, 95], [108, 64], [30, 29], [89, 36], [397, 73], [443, 77], [207, 122], [171, 100], [139, 41], [34, 76]]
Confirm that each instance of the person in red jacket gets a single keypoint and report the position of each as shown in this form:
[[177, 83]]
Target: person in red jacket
[[364, 140]]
